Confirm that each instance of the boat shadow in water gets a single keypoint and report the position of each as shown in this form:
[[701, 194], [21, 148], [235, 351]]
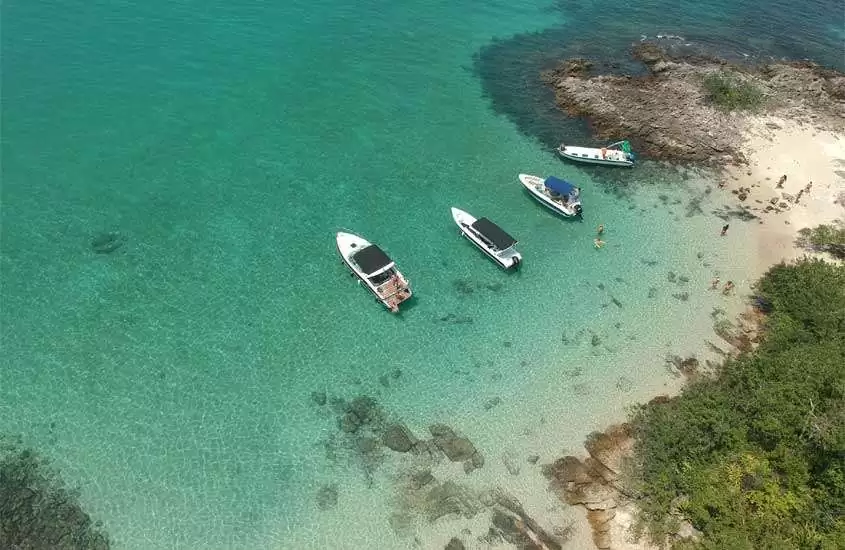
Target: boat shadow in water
[[404, 307]]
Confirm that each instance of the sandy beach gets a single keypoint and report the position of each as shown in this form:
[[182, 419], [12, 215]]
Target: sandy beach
[[774, 147], [805, 154]]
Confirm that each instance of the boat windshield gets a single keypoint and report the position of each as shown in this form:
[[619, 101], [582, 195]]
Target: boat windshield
[[382, 277]]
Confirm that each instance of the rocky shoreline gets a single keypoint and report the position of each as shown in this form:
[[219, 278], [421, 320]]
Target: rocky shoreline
[[667, 114]]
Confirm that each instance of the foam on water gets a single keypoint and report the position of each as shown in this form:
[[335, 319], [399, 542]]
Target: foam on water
[[224, 145]]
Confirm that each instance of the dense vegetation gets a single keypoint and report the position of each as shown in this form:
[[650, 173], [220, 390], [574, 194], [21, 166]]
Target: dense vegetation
[[730, 92], [36, 510], [754, 456], [824, 238]]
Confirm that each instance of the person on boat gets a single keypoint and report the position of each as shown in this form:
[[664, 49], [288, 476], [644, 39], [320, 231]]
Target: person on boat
[[714, 284], [604, 152], [725, 229], [600, 228], [728, 287], [598, 242]]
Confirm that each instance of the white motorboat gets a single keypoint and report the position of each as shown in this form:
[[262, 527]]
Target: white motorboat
[[615, 154], [555, 194], [375, 269], [489, 237]]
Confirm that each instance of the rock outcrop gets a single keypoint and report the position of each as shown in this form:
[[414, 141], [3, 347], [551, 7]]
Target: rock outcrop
[[595, 483], [666, 113], [509, 521]]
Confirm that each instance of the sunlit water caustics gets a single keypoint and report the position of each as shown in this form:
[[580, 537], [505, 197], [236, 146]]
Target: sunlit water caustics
[[178, 332]]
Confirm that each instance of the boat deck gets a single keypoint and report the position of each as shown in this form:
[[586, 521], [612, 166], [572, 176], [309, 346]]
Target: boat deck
[[591, 154], [391, 287]]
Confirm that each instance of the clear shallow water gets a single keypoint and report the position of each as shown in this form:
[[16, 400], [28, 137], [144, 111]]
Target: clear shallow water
[[226, 144]]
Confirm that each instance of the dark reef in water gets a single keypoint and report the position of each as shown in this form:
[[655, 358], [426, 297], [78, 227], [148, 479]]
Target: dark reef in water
[[37, 511], [509, 69]]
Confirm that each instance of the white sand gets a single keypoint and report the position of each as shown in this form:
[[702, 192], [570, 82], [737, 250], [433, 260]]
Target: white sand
[[776, 147]]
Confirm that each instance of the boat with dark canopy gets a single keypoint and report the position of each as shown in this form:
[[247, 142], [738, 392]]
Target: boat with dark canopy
[[374, 269], [489, 238], [554, 193]]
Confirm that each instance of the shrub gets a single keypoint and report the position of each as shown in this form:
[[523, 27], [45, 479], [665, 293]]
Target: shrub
[[824, 238], [731, 93], [753, 456]]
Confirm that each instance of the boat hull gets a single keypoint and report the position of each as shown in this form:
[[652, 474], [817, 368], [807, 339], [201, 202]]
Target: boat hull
[[506, 259], [589, 155], [535, 186]]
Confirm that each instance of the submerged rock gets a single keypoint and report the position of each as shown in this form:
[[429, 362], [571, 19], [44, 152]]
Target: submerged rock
[[490, 403], [455, 544], [421, 479], [510, 466], [457, 449], [327, 497], [475, 462], [450, 498], [318, 397], [398, 437], [37, 510], [106, 243], [367, 445], [350, 423]]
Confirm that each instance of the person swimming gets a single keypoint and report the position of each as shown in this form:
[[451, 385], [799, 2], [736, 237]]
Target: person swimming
[[600, 228], [714, 284], [598, 242]]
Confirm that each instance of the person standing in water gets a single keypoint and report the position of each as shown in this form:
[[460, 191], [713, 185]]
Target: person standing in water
[[725, 229], [781, 181], [728, 287], [714, 284]]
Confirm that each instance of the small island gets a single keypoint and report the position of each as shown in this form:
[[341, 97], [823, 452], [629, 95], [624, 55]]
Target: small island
[[750, 454], [696, 108]]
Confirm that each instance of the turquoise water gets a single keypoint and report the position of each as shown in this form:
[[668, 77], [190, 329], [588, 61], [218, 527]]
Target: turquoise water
[[224, 145]]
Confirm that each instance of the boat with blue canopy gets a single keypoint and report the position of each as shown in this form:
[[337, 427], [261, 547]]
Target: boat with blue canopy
[[554, 193]]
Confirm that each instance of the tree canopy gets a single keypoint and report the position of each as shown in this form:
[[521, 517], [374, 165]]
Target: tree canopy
[[754, 456]]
